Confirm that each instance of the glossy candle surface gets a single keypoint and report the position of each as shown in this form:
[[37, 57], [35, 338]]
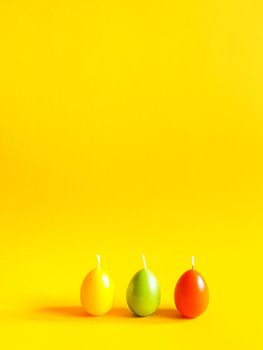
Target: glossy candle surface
[[191, 294], [143, 293], [97, 292]]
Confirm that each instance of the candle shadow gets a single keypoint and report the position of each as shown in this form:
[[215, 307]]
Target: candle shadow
[[169, 313], [163, 315], [77, 312], [63, 311], [120, 312]]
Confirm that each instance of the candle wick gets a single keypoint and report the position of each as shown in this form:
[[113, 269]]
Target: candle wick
[[98, 260], [144, 261], [193, 262]]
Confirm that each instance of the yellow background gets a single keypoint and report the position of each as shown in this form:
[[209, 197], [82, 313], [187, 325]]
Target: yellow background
[[130, 127]]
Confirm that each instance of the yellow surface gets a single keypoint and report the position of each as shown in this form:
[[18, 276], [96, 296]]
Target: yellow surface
[[130, 127]]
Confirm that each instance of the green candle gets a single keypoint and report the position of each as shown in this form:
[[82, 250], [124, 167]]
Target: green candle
[[143, 293]]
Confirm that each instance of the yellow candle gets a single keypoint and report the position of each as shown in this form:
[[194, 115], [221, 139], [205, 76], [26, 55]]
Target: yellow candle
[[97, 291]]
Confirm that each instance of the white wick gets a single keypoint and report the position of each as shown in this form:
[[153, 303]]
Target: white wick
[[98, 261], [193, 262], [144, 261]]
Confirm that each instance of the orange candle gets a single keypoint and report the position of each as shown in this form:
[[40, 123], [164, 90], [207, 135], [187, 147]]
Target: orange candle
[[191, 294]]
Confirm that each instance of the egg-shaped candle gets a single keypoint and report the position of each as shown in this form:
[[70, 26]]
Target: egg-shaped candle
[[97, 291], [191, 294], [143, 293]]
